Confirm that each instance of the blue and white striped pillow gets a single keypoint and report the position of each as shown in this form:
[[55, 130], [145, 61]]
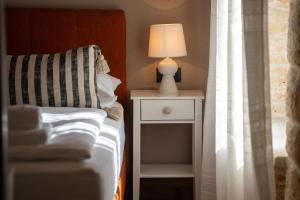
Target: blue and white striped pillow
[[65, 79]]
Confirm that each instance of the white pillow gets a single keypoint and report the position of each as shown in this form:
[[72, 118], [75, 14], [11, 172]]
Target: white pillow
[[107, 102], [106, 85]]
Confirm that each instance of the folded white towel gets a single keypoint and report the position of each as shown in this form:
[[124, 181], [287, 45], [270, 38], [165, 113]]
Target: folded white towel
[[30, 137], [71, 141], [49, 152], [24, 117], [73, 137]]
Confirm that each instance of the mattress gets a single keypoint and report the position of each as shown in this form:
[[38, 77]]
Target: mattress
[[94, 178]]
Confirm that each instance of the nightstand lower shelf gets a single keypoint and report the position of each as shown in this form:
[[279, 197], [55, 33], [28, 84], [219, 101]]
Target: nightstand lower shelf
[[167, 171]]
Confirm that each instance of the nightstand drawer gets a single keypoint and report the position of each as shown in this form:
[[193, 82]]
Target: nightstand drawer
[[159, 110]]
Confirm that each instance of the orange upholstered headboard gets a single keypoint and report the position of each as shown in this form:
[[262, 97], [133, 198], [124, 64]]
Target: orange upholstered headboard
[[33, 31]]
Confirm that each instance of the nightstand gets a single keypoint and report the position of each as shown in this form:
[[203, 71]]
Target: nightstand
[[150, 107]]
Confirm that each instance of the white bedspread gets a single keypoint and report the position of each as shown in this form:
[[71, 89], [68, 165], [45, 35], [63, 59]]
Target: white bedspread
[[93, 178]]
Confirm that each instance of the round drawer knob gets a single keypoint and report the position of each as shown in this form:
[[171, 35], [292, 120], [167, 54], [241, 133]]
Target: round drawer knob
[[167, 110]]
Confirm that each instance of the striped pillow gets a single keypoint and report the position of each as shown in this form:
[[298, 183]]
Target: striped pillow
[[65, 79]]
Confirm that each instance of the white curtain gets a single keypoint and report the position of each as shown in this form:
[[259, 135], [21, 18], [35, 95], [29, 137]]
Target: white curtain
[[237, 148]]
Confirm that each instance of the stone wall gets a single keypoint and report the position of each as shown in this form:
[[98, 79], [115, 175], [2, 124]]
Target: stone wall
[[278, 27]]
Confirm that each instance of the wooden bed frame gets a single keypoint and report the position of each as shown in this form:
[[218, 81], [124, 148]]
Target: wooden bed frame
[[37, 31]]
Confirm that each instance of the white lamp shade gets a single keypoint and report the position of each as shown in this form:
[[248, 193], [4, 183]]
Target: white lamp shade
[[166, 40]]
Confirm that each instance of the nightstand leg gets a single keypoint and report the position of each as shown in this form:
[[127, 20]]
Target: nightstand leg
[[136, 151], [136, 163], [197, 149], [196, 163]]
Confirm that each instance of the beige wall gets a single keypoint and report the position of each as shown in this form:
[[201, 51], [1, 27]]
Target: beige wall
[[193, 14]]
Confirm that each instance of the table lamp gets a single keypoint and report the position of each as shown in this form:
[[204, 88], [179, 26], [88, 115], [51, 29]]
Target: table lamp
[[167, 41]]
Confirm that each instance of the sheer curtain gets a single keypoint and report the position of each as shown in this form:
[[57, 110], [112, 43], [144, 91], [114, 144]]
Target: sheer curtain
[[237, 154]]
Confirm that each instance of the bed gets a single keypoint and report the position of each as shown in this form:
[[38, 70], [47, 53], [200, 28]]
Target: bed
[[103, 176]]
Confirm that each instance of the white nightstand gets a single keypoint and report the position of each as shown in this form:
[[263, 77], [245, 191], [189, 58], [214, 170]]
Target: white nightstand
[[149, 107]]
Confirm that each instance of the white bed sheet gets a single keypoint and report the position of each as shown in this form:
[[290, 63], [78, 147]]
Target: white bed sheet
[[108, 156], [105, 163]]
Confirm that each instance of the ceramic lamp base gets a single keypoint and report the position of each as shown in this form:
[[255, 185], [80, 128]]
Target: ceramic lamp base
[[168, 68]]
